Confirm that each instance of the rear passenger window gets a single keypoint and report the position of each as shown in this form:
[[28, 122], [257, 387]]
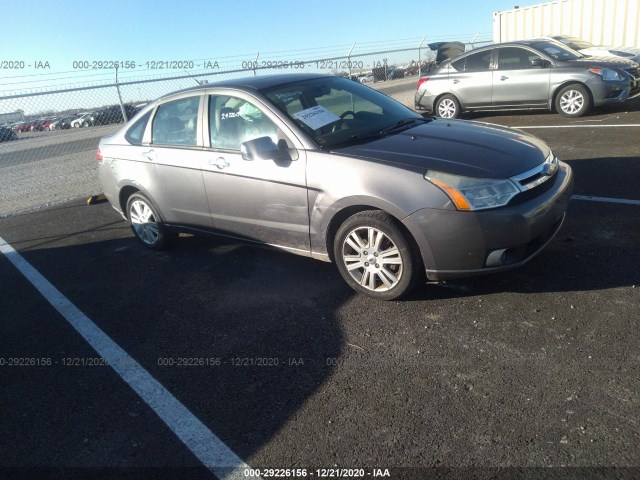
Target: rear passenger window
[[136, 131], [459, 65], [478, 62], [175, 122]]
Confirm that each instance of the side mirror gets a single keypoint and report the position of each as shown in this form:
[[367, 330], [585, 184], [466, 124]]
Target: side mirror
[[540, 62], [264, 148]]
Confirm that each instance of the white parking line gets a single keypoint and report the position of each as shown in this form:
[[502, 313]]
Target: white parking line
[[578, 126], [202, 442], [605, 199]]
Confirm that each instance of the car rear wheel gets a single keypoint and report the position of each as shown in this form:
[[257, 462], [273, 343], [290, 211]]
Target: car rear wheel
[[447, 106], [573, 101], [375, 257], [146, 223]]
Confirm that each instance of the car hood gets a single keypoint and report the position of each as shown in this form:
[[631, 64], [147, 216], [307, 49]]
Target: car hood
[[608, 62], [456, 146], [605, 50]]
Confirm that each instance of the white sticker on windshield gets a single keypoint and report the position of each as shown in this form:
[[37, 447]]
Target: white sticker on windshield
[[316, 117]]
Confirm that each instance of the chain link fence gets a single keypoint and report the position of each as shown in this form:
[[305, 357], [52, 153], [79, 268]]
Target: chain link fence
[[49, 130]]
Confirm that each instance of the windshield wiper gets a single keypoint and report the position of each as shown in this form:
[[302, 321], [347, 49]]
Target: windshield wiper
[[403, 122], [380, 133]]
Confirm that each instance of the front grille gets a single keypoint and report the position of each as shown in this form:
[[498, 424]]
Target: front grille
[[535, 181], [534, 192], [635, 80], [633, 71]]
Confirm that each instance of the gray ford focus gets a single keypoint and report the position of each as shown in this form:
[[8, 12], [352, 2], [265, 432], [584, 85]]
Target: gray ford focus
[[325, 167]]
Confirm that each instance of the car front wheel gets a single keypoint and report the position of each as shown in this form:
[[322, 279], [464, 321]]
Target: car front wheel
[[573, 101], [447, 106], [375, 257], [146, 223]]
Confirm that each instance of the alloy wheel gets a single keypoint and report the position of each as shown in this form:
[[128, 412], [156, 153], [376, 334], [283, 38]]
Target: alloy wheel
[[372, 259], [571, 101], [447, 108], [144, 222]]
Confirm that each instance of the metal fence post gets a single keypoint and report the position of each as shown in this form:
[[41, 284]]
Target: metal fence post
[[124, 112], [349, 59], [420, 58], [255, 65]]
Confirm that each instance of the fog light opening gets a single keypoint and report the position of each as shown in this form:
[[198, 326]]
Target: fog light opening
[[496, 258]]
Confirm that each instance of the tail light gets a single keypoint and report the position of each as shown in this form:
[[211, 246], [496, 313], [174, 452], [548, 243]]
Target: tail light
[[421, 81], [99, 155]]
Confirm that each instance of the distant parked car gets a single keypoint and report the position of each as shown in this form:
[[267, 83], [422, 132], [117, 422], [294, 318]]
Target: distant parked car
[[79, 122], [113, 114], [24, 126], [591, 50], [55, 124], [39, 125], [20, 127], [7, 134], [395, 74], [65, 123], [524, 75], [366, 78]]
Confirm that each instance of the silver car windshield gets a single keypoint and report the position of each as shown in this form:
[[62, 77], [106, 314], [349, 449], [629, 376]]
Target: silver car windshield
[[558, 51], [335, 110], [575, 43]]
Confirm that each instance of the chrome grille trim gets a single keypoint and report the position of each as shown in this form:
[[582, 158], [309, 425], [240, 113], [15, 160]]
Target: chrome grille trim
[[537, 175]]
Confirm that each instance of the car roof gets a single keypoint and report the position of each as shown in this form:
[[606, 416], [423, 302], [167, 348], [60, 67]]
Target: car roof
[[514, 43], [253, 83]]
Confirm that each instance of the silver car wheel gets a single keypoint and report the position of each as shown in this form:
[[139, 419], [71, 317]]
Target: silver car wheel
[[447, 108], [372, 259], [143, 222], [571, 101]]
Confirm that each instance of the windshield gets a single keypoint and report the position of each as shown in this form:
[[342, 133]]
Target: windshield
[[335, 110], [575, 43], [558, 50]]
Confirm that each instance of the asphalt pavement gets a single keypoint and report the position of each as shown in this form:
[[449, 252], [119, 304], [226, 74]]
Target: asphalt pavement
[[532, 373]]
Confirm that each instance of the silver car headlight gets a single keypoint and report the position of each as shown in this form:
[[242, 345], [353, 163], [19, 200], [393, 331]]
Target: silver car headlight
[[470, 193], [607, 74]]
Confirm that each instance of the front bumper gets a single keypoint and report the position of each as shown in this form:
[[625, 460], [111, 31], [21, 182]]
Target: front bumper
[[457, 244], [608, 92]]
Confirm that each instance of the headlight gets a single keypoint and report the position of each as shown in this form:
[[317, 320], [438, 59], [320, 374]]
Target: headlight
[[469, 193], [607, 73]]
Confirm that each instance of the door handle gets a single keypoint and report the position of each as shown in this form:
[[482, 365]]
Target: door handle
[[220, 162], [149, 155], [456, 81], [503, 78]]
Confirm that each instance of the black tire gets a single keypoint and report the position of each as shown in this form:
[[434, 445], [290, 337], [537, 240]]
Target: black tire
[[389, 268], [573, 101], [147, 225], [447, 106]]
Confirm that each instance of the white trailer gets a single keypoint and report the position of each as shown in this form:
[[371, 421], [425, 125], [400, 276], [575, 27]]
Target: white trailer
[[601, 22]]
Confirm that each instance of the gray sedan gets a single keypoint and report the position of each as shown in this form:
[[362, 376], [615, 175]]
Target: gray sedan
[[321, 166], [530, 74]]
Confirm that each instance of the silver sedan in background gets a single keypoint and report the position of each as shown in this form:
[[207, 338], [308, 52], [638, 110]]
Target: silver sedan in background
[[322, 166], [531, 74]]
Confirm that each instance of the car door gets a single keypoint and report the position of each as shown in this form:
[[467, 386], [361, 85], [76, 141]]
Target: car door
[[517, 82], [471, 79], [175, 146], [260, 200]]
